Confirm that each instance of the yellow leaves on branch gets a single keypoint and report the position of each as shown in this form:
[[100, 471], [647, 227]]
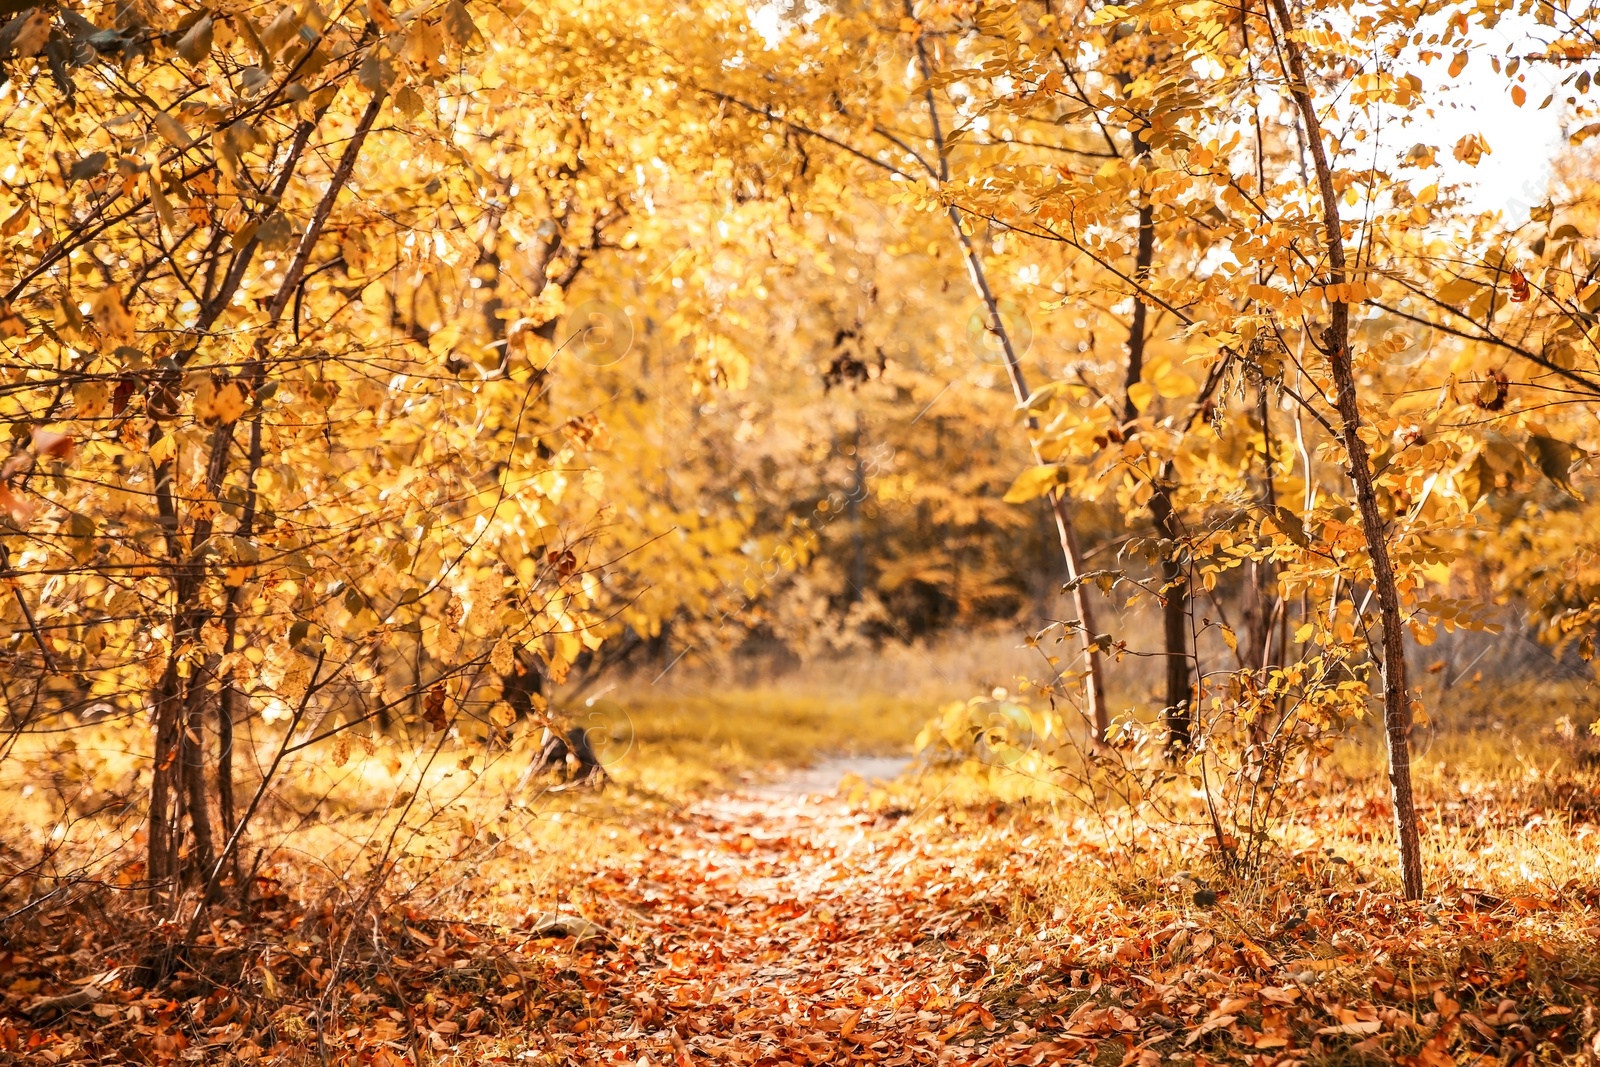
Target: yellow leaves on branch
[[1354, 292], [1164, 380], [196, 44], [228, 403], [459, 27], [382, 17], [1033, 483], [158, 199], [218, 402], [89, 399], [172, 131], [15, 221]]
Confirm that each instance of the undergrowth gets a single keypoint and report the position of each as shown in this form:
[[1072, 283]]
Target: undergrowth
[[416, 912]]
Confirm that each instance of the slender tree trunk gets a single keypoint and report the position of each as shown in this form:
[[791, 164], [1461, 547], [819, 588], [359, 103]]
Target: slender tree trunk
[[1093, 669], [1143, 256], [166, 782], [1178, 694], [1261, 596], [178, 788], [193, 756], [1264, 608], [230, 699], [1396, 704], [179, 781], [1177, 716], [226, 812], [858, 493], [161, 854], [1093, 689]]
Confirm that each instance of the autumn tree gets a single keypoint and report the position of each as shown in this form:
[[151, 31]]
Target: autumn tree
[[247, 477]]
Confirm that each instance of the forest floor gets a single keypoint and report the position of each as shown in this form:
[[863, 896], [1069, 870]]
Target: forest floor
[[778, 921], [787, 925]]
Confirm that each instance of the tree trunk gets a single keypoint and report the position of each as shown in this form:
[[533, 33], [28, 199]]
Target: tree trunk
[[858, 493], [1396, 703], [1263, 608], [161, 853], [1093, 670], [226, 811], [1177, 716], [192, 750], [1093, 689], [179, 775], [1178, 695]]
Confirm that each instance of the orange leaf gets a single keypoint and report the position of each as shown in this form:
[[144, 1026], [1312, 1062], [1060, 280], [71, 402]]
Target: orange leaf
[[1520, 290], [433, 712], [19, 510], [1209, 1025], [50, 443]]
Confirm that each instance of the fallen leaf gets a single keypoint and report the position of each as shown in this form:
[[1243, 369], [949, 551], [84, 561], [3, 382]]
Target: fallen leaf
[[1361, 1026], [1209, 1025]]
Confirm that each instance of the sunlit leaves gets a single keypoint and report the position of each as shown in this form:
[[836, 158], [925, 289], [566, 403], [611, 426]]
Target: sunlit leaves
[[1033, 483]]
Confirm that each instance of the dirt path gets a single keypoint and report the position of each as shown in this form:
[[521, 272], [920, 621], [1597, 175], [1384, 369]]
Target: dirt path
[[778, 925]]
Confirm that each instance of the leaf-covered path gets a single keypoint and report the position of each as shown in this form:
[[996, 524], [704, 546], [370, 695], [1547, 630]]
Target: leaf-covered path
[[773, 927], [766, 927]]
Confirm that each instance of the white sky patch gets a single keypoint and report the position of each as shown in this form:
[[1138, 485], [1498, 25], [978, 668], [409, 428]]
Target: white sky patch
[[768, 21], [1514, 176], [775, 19]]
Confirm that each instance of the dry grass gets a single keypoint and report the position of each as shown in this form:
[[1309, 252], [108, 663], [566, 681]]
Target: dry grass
[[1506, 774], [1496, 964], [443, 821]]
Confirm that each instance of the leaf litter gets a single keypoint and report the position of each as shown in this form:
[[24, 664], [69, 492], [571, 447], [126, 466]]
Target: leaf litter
[[762, 930]]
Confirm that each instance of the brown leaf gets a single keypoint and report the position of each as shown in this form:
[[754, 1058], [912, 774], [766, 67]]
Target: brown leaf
[[119, 398], [1492, 391], [433, 708], [1434, 1051], [196, 44], [50, 443], [1209, 1025], [172, 131], [459, 27], [1520, 290], [382, 17], [20, 510], [111, 317], [1360, 1026]]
